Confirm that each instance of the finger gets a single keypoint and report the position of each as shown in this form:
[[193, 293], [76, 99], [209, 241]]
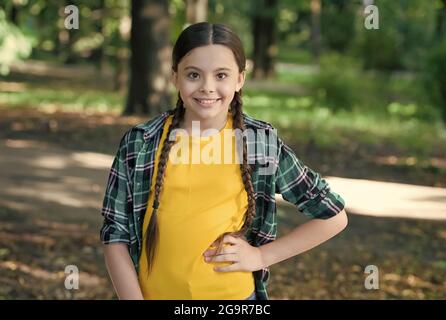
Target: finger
[[228, 250], [230, 239], [225, 250], [223, 258], [231, 267], [226, 239], [209, 252]]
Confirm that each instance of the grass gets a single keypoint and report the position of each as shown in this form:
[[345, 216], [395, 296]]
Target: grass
[[300, 118], [73, 100], [299, 114], [298, 75], [294, 55]]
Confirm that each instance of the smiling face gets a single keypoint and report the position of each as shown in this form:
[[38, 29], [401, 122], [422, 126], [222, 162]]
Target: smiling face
[[207, 78]]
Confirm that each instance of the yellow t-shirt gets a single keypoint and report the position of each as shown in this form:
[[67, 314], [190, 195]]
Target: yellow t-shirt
[[199, 201]]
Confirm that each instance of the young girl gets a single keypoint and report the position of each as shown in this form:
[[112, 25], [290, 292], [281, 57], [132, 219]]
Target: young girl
[[205, 229]]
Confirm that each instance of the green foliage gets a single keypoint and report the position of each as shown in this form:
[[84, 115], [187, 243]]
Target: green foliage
[[237, 15], [412, 111], [398, 123], [434, 77], [337, 84], [15, 45], [293, 55], [102, 24], [406, 29], [338, 24], [379, 49]]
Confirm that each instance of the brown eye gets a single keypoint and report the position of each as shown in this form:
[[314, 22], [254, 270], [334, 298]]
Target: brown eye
[[193, 75], [222, 75]]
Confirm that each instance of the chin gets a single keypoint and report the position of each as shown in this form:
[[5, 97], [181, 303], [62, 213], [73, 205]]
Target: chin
[[210, 112]]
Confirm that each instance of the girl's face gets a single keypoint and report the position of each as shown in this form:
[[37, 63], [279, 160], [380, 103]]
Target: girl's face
[[207, 78]]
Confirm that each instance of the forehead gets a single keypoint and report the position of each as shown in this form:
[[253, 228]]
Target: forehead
[[209, 57]]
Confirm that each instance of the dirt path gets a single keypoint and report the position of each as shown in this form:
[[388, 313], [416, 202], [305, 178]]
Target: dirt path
[[386, 199], [50, 199]]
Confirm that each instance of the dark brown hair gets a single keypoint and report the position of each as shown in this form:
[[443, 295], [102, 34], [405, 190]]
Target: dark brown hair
[[196, 35]]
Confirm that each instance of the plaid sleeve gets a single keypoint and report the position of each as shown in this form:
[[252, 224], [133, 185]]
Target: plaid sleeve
[[116, 205], [304, 187]]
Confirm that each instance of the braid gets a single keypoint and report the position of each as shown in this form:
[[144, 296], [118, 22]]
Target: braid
[[152, 230], [245, 168], [238, 123]]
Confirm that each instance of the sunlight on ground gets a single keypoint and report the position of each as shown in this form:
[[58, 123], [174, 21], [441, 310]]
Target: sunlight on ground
[[92, 160], [40, 173], [12, 86], [86, 278], [386, 199], [72, 179]]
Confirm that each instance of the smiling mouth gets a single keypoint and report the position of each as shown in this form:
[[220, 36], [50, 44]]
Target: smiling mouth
[[207, 102]]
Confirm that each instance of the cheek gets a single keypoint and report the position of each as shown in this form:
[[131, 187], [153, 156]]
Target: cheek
[[227, 91], [187, 88], [229, 96]]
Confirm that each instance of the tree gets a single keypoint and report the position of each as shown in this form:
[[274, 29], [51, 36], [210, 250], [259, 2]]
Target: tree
[[440, 27], [14, 44], [338, 24], [14, 13], [196, 11], [99, 16], [316, 27], [264, 34], [150, 58]]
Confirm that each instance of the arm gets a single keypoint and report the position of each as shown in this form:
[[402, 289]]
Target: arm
[[115, 232], [310, 193], [122, 272], [302, 238]]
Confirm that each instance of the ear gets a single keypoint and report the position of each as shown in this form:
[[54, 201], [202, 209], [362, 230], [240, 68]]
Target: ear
[[174, 78], [240, 80]]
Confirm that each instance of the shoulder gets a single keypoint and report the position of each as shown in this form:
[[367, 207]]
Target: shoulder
[[251, 122], [152, 126], [155, 124], [146, 130], [149, 129]]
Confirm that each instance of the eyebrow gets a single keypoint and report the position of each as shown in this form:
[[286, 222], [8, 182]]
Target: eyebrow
[[218, 69]]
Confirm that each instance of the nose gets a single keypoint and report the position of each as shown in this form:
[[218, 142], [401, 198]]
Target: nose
[[208, 85]]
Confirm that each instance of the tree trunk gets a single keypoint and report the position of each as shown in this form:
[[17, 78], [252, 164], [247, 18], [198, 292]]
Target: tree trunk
[[150, 58], [120, 59], [97, 55], [14, 14], [196, 11], [316, 28], [67, 38], [265, 48]]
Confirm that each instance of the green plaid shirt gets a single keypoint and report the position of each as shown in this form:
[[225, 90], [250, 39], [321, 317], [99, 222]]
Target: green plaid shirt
[[276, 169]]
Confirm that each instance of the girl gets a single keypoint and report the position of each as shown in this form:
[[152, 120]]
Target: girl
[[198, 230]]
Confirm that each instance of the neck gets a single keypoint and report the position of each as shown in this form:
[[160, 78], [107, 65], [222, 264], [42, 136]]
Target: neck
[[217, 123]]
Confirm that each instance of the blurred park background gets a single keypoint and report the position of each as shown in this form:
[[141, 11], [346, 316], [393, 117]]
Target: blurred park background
[[364, 106]]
